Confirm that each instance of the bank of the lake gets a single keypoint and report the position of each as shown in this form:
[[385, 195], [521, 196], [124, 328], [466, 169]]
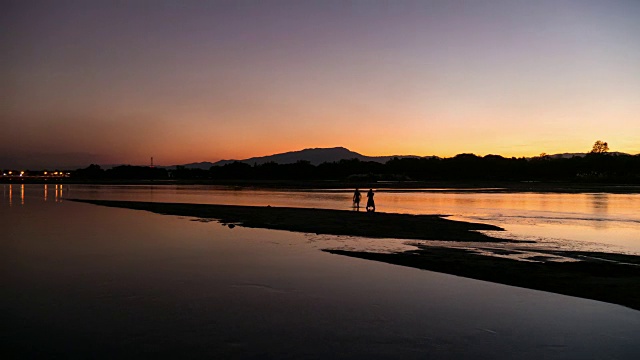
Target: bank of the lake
[[474, 186]]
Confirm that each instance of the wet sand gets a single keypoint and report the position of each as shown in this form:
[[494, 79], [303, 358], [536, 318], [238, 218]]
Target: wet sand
[[606, 277], [322, 221]]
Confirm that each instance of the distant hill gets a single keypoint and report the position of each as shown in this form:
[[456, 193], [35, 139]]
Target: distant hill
[[570, 155], [205, 165], [320, 155], [315, 156]]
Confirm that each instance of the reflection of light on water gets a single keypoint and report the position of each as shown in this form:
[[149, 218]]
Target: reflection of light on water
[[513, 251], [354, 243], [534, 242], [585, 231], [29, 192], [528, 252], [526, 248], [586, 220], [58, 192], [600, 208]]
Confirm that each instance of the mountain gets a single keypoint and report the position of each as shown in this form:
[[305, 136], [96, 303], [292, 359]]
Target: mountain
[[205, 165], [315, 156], [320, 155]]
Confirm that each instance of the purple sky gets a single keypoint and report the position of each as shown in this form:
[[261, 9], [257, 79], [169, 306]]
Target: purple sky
[[185, 81]]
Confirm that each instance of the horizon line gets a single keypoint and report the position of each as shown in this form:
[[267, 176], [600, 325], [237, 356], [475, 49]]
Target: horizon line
[[114, 164]]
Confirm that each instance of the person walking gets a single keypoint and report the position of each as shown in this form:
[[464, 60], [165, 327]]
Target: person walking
[[356, 199], [371, 205]]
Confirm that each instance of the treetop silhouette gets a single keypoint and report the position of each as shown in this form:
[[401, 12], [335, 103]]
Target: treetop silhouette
[[600, 147]]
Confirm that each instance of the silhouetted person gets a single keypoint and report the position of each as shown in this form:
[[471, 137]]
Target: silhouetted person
[[356, 199], [371, 205]]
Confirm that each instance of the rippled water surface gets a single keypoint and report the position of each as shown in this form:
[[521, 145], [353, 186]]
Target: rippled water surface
[[81, 280]]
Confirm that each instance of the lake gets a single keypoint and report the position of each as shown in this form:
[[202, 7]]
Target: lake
[[81, 280]]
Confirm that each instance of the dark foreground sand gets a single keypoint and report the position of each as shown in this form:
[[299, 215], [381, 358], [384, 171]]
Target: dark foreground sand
[[606, 277]]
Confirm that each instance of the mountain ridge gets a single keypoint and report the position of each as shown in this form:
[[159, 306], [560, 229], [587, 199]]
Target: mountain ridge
[[315, 156]]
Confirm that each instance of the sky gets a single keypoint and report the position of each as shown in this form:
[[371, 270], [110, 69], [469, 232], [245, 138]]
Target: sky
[[117, 82]]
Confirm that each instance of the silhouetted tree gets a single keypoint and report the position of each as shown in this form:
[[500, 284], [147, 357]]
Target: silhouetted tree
[[594, 167], [124, 172], [182, 172], [92, 171], [234, 170], [600, 147]]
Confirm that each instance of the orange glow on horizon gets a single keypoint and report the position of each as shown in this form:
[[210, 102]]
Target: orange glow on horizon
[[438, 79]]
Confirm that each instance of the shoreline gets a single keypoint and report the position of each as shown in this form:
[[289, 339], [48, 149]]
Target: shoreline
[[607, 277], [477, 186]]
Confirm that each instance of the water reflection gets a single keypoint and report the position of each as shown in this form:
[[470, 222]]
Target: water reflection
[[551, 217], [125, 282], [29, 193], [600, 208], [58, 193], [610, 219]]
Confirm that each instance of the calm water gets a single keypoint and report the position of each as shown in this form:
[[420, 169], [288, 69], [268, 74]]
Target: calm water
[[89, 281], [598, 221]]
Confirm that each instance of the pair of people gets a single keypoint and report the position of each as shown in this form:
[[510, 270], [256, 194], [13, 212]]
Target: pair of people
[[371, 205]]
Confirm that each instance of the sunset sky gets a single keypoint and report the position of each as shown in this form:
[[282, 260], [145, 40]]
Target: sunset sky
[[183, 81]]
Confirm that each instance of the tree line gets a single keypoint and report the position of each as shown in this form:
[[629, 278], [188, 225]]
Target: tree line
[[594, 167]]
